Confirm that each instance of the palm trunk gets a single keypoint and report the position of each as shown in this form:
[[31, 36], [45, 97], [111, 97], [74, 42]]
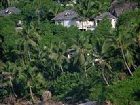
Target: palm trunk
[[31, 94], [29, 56], [125, 62], [104, 78], [85, 71], [11, 84], [62, 70]]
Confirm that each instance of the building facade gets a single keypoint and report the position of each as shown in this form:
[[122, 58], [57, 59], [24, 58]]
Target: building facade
[[71, 18]]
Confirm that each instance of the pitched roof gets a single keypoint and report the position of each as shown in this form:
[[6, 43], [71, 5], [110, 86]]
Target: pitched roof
[[105, 14], [9, 10], [66, 15], [118, 8]]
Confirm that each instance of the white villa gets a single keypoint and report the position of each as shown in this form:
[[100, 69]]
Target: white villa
[[69, 18]]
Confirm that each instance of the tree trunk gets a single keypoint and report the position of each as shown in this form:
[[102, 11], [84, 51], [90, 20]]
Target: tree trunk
[[125, 62], [104, 78], [11, 84], [31, 94], [62, 70], [85, 71]]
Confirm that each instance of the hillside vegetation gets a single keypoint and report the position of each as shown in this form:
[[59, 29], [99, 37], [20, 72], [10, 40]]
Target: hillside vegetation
[[105, 66]]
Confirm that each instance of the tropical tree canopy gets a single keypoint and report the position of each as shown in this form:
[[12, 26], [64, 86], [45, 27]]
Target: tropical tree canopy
[[75, 66]]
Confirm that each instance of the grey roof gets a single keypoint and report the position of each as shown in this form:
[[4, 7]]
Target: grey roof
[[66, 15], [105, 14], [9, 10]]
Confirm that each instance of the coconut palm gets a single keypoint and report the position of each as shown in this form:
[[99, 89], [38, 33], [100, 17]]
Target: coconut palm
[[90, 8], [102, 42], [127, 39]]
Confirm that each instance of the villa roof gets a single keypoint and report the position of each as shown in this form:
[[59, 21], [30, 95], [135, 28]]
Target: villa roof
[[105, 14], [9, 10], [66, 15]]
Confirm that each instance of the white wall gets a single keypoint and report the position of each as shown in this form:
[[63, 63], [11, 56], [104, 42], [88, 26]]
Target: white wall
[[87, 25], [113, 23], [66, 23]]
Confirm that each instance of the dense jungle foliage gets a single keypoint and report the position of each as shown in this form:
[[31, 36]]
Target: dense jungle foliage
[[33, 60]]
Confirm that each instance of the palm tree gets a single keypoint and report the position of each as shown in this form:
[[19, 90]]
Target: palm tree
[[84, 8], [127, 55], [83, 57], [102, 42], [90, 8], [127, 37], [101, 59], [57, 56]]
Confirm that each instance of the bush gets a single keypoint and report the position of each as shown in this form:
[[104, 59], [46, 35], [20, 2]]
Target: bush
[[125, 92]]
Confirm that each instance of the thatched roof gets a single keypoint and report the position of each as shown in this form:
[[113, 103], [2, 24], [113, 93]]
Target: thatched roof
[[117, 8]]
